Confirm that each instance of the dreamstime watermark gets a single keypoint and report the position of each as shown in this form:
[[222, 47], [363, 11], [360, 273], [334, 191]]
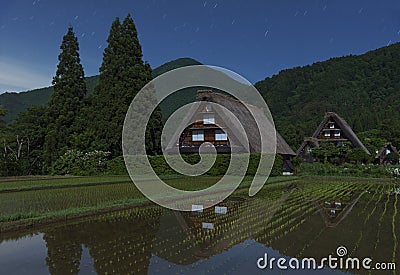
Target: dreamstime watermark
[[333, 262], [245, 118]]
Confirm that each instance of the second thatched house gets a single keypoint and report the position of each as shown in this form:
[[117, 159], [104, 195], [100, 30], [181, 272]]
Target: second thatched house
[[333, 129], [388, 154], [208, 123]]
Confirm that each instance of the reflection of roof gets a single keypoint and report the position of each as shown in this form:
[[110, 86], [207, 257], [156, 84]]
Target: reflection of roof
[[171, 234], [343, 125], [333, 213], [176, 227], [181, 229], [243, 115]]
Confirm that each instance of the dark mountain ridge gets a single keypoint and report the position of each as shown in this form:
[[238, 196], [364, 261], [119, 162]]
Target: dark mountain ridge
[[15, 103]]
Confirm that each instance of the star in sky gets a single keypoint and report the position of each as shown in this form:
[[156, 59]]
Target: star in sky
[[254, 38]]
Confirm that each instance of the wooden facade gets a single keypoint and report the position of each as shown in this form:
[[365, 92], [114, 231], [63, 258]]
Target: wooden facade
[[207, 121], [332, 129], [207, 129]]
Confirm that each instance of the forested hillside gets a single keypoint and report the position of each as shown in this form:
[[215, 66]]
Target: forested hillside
[[364, 90], [15, 103]]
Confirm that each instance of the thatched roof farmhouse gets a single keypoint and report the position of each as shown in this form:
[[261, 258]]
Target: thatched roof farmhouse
[[333, 129]]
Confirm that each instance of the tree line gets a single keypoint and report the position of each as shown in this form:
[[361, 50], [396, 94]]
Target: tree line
[[76, 126]]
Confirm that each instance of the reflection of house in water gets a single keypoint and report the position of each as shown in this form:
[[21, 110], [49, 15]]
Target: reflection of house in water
[[185, 231], [213, 215], [333, 212], [333, 209]]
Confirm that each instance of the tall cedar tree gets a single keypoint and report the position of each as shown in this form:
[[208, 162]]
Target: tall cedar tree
[[67, 99], [3, 112], [122, 75]]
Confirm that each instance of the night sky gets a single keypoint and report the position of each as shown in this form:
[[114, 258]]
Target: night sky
[[255, 38]]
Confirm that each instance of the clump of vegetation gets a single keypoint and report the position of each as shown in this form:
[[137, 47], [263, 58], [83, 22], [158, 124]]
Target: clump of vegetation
[[75, 162], [116, 166], [393, 157], [74, 122], [347, 169], [330, 153]]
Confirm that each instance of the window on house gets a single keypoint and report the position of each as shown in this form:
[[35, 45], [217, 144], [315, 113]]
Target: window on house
[[220, 135], [327, 134], [387, 152], [198, 135], [337, 133], [331, 125], [208, 119]]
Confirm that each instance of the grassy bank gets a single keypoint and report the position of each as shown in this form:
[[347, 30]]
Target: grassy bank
[[28, 202], [348, 170]]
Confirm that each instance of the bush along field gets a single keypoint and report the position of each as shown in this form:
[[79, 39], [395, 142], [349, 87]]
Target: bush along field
[[77, 163], [349, 170]]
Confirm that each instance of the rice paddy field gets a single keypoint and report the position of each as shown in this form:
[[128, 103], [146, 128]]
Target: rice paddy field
[[290, 218]]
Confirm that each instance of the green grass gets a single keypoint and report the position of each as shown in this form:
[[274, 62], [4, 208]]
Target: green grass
[[31, 183], [23, 198], [26, 198], [12, 184]]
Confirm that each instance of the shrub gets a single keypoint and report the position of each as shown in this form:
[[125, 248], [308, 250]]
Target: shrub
[[277, 169], [357, 155], [75, 162], [347, 169], [116, 166], [393, 158]]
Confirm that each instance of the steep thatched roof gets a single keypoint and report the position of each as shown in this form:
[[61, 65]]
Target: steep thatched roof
[[243, 115], [344, 127], [382, 152], [313, 141]]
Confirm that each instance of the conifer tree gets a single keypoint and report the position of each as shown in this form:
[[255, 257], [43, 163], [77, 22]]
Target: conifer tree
[[122, 75], [3, 112], [67, 99]]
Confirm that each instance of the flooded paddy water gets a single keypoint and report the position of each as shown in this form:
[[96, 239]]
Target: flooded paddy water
[[297, 220]]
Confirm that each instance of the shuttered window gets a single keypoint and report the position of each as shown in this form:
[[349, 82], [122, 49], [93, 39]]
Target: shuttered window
[[198, 135], [220, 135]]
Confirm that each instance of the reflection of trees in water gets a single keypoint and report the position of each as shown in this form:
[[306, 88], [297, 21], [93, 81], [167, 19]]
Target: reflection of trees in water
[[63, 251], [121, 244], [286, 221], [124, 244]]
